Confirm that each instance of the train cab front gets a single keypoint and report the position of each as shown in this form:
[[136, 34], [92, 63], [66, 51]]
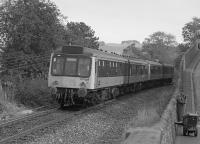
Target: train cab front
[[70, 77]]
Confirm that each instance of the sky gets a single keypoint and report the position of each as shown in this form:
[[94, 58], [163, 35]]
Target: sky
[[117, 20]]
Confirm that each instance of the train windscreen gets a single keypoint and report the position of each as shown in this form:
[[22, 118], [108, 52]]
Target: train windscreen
[[71, 66], [58, 65], [84, 67]]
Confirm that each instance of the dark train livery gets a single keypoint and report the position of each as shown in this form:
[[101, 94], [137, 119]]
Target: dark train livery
[[89, 76]]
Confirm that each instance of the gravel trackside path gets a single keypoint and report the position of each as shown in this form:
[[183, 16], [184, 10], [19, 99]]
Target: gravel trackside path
[[100, 126]]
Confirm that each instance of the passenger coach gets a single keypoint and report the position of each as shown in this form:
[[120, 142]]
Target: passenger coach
[[84, 75]]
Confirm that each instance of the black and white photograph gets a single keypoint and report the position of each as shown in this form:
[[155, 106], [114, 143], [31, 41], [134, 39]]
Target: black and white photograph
[[99, 71]]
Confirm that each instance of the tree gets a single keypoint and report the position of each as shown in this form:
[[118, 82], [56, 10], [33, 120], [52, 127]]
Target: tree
[[78, 33], [29, 29], [102, 43], [134, 49], [161, 46], [188, 31], [161, 39], [130, 42], [181, 49]]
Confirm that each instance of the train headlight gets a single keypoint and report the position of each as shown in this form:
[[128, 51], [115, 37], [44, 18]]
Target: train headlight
[[55, 83], [53, 90], [82, 92]]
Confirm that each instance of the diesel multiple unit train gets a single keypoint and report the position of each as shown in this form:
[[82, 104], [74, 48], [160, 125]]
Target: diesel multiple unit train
[[81, 75]]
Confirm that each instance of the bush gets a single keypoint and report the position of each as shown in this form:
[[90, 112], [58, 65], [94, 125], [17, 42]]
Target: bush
[[152, 111], [17, 96], [145, 117], [34, 93], [8, 109]]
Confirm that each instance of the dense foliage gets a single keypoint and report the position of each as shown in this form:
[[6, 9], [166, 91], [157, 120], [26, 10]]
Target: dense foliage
[[161, 46], [189, 30], [78, 33], [188, 33], [30, 26], [30, 30]]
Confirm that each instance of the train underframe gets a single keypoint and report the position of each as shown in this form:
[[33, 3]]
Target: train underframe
[[70, 96]]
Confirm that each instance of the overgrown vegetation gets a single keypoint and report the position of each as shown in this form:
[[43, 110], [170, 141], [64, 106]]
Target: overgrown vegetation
[[152, 112], [161, 46], [8, 109], [34, 93], [188, 31]]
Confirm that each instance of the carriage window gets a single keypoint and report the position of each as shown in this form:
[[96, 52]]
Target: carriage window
[[57, 66], [70, 66], [84, 67]]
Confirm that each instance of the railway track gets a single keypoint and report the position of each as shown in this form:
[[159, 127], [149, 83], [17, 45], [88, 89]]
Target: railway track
[[15, 126], [34, 114], [20, 127], [13, 130]]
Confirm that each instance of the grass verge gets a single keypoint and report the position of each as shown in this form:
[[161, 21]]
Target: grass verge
[[151, 113], [34, 93]]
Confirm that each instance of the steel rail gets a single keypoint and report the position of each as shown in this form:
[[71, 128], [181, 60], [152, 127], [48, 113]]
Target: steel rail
[[44, 125], [26, 117]]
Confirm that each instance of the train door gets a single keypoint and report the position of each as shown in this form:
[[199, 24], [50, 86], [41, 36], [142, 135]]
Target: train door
[[149, 71], [128, 71], [97, 81]]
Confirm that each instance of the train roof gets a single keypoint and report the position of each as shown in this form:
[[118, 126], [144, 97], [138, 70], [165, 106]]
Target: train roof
[[169, 65], [98, 52], [87, 51]]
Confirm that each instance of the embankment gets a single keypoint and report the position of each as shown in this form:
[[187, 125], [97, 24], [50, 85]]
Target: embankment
[[164, 131]]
